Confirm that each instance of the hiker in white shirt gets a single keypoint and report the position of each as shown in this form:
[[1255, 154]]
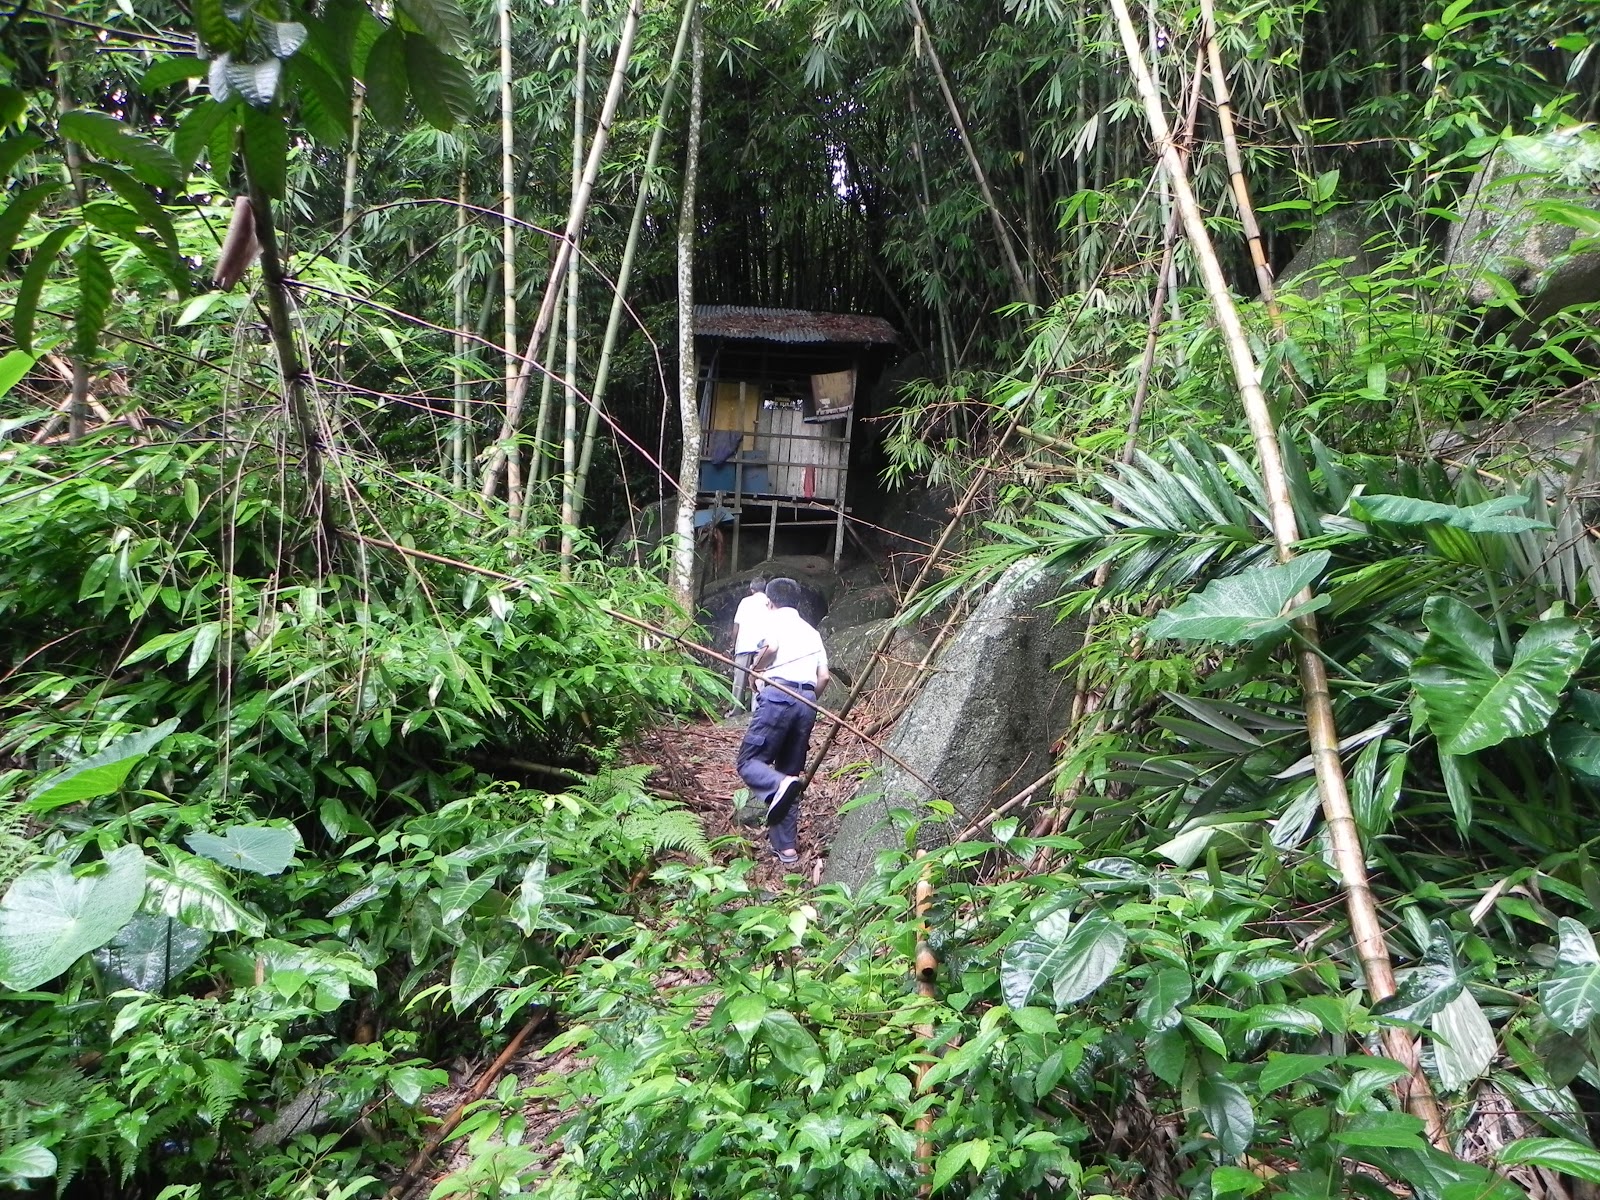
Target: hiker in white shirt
[[772, 757], [749, 627]]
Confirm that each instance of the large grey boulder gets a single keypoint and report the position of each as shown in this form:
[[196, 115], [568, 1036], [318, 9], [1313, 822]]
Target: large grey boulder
[[1503, 230], [720, 600], [982, 726], [850, 649], [1336, 249]]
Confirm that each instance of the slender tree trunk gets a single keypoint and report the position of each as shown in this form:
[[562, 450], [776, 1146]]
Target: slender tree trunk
[[1230, 149], [569, 380], [78, 393], [290, 371], [1019, 278], [458, 422], [541, 422], [1345, 838], [688, 390], [619, 297], [508, 257], [564, 253]]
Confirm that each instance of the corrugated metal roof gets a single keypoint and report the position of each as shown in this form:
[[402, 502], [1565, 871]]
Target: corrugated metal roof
[[790, 325]]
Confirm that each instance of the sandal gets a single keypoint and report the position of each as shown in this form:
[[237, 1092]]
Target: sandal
[[789, 858]]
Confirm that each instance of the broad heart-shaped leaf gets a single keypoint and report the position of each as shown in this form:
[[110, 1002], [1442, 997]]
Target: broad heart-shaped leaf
[[1227, 1113], [1430, 985], [1571, 996], [1090, 953], [1464, 1042], [51, 917], [473, 973], [1492, 516], [1470, 704], [151, 951], [101, 773], [1554, 1154], [1246, 606], [259, 849]]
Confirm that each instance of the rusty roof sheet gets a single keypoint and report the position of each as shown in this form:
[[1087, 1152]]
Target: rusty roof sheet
[[790, 325]]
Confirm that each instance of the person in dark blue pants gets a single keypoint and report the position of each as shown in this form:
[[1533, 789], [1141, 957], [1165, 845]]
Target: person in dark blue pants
[[772, 757]]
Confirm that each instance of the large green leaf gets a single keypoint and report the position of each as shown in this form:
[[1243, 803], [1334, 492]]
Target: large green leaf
[[1492, 516], [1571, 996], [109, 138], [25, 1161], [442, 20], [13, 366], [1464, 1042], [1554, 1154], [1227, 1113], [458, 893], [1071, 959], [790, 1042], [52, 917], [1162, 994], [1470, 704], [385, 77], [439, 84], [151, 951], [194, 891], [1430, 985], [473, 973], [1246, 606], [95, 285], [259, 849], [32, 287], [100, 774]]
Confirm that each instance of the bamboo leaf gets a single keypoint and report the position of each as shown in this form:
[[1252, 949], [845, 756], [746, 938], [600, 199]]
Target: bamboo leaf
[[13, 366], [18, 212], [1246, 606]]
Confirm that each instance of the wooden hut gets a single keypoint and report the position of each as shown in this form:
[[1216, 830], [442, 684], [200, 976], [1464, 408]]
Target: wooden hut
[[778, 405]]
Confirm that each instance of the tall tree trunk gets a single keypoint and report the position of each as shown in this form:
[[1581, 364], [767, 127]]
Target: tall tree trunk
[[508, 255], [619, 297], [688, 391], [347, 204], [569, 378], [1019, 278], [1345, 838], [564, 253]]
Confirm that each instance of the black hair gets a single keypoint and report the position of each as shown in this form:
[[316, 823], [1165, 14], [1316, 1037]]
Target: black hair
[[784, 593], [758, 584]]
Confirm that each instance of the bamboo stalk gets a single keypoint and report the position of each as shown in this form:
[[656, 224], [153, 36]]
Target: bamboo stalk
[[347, 204], [1019, 278], [458, 414], [569, 379], [508, 246], [1345, 838], [688, 390], [1223, 101], [608, 344], [564, 253]]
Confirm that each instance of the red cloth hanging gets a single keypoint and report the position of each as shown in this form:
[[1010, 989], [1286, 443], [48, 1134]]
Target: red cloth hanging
[[808, 482]]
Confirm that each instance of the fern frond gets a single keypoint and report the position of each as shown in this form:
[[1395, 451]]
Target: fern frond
[[220, 1086], [668, 829]]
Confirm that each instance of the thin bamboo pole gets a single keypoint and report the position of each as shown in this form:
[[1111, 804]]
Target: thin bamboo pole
[[564, 253], [347, 205], [1019, 278], [1343, 835], [927, 968], [1223, 100], [458, 415], [508, 248], [602, 374], [569, 379]]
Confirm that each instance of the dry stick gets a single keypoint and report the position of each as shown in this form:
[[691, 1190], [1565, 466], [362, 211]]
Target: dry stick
[[1345, 838], [838, 718], [492, 1072], [1018, 277], [564, 252], [1223, 101]]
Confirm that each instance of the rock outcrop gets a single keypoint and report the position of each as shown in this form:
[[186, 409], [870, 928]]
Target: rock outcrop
[[1339, 239], [1503, 230], [982, 726]]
